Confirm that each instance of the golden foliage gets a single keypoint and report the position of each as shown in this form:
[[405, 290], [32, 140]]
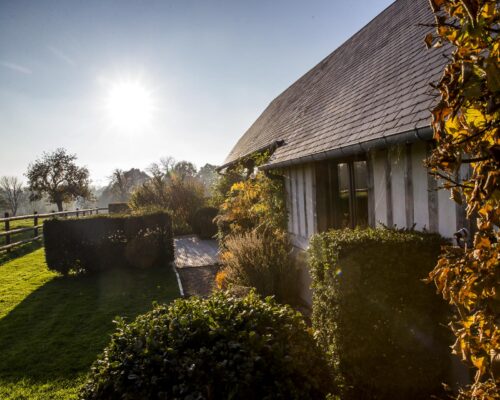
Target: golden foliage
[[255, 203], [466, 124]]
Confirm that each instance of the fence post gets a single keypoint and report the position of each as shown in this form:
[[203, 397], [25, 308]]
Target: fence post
[[7, 228], [35, 224]]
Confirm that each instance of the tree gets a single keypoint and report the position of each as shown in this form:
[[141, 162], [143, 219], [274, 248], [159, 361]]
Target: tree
[[182, 195], [208, 176], [57, 176], [466, 125], [184, 169], [13, 193], [120, 185]]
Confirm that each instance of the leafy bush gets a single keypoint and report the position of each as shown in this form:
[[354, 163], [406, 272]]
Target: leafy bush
[[380, 325], [262, 261], [180, 196], [203, 222], [221, 347], [255, 203], [107, 242], [118, 208]]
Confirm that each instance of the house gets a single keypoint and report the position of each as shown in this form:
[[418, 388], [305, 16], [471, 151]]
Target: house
[[352, 133]]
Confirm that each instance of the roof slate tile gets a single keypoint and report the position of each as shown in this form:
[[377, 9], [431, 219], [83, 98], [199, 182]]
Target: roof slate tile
[[375, 84]]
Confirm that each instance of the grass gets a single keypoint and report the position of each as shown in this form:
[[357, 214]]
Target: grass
[[52, 328]]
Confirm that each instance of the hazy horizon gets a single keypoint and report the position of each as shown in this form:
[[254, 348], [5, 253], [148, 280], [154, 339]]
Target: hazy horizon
[[202, 72]]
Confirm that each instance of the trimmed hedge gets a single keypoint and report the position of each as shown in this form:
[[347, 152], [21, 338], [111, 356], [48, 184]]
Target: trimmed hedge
[[106, 242], [203, 222], [382, 327], [222, 347]]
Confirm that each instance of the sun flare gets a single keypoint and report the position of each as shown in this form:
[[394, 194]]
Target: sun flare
[[129, 105]]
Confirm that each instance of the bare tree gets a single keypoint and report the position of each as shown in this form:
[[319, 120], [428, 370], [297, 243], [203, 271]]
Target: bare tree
[[13, 192]]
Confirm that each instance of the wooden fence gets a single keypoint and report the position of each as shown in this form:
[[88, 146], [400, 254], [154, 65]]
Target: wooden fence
[[36, 227]]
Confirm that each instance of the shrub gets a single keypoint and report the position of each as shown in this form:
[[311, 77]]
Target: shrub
[[221, 347], [255, 203], [203, 222], [118, 208], [106, 242], [380, 325], [181, 197], [262, 261]]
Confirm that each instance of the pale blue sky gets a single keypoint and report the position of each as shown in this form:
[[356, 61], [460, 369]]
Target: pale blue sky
[[212, 66]]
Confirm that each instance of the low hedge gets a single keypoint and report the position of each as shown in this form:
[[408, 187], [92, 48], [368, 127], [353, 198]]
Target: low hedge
[[382, 327], [222, 347], [106, 242], [203, 222]]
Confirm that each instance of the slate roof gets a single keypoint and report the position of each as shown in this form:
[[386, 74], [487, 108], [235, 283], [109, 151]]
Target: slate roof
[[376, 84]]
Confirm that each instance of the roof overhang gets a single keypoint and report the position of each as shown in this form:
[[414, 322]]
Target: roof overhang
[[271, 147], [414, 135]]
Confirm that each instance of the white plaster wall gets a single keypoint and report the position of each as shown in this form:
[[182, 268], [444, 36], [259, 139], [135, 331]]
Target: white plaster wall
[[420, 188], [301, 203], [293, 188], [310, 187], [447, 214], [379, 189], [288, 199], [398, 159]]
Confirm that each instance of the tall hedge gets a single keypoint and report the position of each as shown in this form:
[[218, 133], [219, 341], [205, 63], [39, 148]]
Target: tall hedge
[[382, 327], [106, 242], [203, 222]]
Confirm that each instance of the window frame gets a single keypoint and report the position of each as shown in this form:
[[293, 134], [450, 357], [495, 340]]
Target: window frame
[[332, 211]]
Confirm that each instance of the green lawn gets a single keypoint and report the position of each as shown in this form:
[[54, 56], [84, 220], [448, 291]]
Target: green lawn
[[53, 327]]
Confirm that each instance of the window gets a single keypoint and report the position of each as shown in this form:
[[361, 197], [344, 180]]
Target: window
[[342, 194]]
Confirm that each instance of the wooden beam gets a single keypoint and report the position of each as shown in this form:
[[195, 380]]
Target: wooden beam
[[19, 230], [11, 245]]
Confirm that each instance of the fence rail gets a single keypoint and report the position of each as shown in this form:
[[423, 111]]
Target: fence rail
[[36, 228]]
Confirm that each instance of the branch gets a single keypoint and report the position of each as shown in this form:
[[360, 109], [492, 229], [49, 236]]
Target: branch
[[447, 178]]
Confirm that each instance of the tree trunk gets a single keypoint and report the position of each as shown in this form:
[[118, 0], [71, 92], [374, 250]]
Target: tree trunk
[[59, 206]]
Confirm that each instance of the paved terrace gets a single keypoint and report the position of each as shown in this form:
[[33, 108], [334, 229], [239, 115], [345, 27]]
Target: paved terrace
[[196, 262]]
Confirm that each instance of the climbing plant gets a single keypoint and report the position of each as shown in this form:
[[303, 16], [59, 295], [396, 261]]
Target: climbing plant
[[466, 124], [255, 202]]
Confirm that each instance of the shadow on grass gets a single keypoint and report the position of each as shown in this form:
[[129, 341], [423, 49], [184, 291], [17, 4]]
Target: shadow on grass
[[59, 329], [19, 251]]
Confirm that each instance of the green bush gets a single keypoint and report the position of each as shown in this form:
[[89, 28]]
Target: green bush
[[382, 327], [203, 222], [181, 197], [107, 242], [221, 347], [118, 208], [262, 261]]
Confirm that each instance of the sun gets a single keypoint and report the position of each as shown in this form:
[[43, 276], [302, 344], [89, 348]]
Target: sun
[[129, 105]]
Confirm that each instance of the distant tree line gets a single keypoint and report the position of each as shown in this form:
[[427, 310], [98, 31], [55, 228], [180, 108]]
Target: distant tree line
[[55, 179]]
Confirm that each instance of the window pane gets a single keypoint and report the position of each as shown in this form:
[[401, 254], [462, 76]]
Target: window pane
[[344, 195], [361, 192]]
